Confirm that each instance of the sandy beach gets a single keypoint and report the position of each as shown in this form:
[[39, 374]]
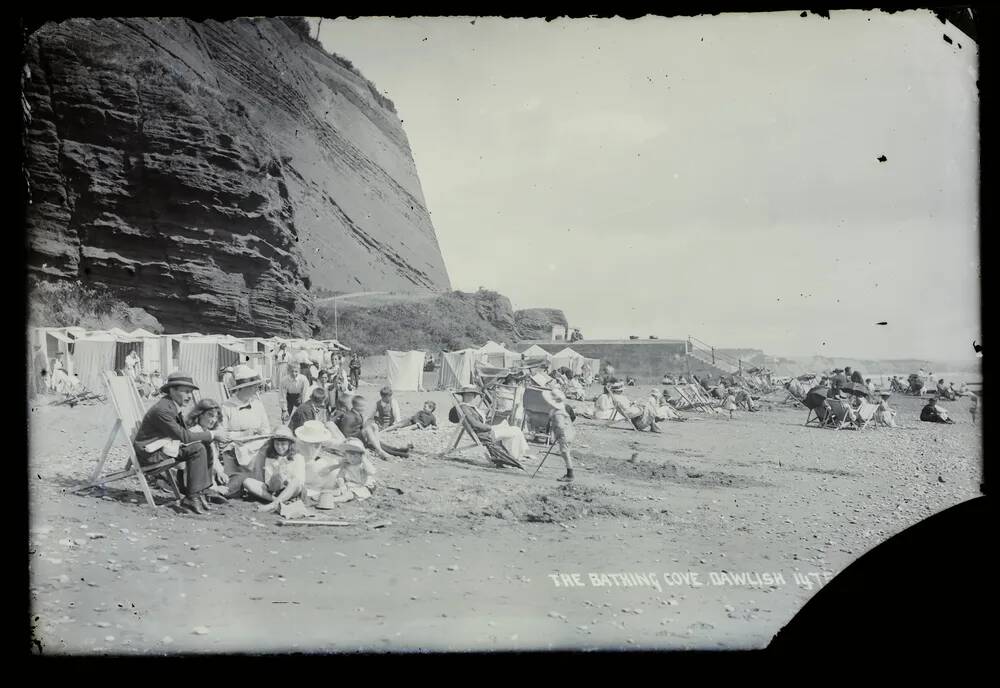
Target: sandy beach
[[737, 522]]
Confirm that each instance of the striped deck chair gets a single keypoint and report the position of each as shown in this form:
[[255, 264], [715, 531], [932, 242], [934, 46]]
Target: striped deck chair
[[495, 451], [130, 411], [865, 416]]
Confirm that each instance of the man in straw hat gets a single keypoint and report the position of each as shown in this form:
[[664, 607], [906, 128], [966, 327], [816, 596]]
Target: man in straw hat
[[642, 417], [245, 419], [163, 427], [562, 428], [487, 434]]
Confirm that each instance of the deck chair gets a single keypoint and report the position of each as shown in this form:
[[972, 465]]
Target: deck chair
[[130, 411], [495, 392], [536, 414], [820, 417], [494, 453], [840, 413], [866, 416]]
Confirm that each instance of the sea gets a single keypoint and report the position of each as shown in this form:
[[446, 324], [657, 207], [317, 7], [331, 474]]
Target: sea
[[973, 380]]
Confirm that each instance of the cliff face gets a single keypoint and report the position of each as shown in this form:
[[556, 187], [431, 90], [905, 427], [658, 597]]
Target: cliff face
[[216, 172], [536, 323]]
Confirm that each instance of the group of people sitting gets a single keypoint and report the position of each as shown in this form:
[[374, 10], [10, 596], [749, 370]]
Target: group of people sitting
[[225, 449]]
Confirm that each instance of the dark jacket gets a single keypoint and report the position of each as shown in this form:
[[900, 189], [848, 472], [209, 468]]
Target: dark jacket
[[164, 420], [350, 423], [307, 411]]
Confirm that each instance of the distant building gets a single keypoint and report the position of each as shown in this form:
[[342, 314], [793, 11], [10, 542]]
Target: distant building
[[559, 333]]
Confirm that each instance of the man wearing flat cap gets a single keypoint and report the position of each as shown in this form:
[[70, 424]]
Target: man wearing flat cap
[[162, 436]]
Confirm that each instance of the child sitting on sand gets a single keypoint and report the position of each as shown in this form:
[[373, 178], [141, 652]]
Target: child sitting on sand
[[354, 478], [885, 415], [277, 474]]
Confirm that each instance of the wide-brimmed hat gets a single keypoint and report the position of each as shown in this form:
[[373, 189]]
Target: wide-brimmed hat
[[617, 386], [245, 376], [327, 500], [313, 432], [885, 393], [554, 397], [283, 432], [176, 379], [350, 445], [469, 389]]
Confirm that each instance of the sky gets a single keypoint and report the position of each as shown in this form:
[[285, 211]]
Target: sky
[[709, 176]]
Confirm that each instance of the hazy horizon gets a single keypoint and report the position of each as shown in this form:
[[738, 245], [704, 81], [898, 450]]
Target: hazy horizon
[[705, 176]]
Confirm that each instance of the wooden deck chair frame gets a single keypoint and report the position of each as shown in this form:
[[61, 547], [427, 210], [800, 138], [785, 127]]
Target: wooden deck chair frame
[[812, 418], [616, 415], [866, 423], [464, 429], [839, 424], [129, 410]]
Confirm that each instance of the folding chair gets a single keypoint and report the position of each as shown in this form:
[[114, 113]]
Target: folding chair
[[536, 414], [815, 418], [493, 453], [130, 411], [865, 416], [841, 414]]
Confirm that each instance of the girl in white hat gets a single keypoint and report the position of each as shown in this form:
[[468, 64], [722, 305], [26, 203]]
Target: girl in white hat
[[278, 472], [354, 479], [562, 428]]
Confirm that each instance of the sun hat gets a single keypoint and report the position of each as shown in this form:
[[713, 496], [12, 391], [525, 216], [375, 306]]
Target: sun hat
[[245, 376], [385, 391], [313, 432], [327, 500], [554, 397], [283, 432], [177, 379]]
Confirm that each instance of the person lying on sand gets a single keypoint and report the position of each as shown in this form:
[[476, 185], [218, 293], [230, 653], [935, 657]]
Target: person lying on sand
[[932, 413], [642, 417], [353, 424], [424, 419]]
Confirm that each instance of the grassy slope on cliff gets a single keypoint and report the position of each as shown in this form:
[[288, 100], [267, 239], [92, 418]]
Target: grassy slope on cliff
[[72, 304], [446, 322]]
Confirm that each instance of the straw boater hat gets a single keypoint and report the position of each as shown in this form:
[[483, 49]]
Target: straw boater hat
[[554, 397], [177, 379], [245, 376], [313, 432], [617, 386]]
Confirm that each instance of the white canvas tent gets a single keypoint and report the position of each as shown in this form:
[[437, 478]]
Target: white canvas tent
[[406, 370], [567, 358], [535, 351], [456, 368], [494, 355]]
